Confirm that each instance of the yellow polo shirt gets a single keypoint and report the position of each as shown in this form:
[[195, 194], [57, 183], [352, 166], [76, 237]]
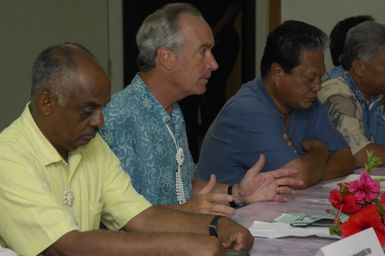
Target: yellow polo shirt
[[33, 181]]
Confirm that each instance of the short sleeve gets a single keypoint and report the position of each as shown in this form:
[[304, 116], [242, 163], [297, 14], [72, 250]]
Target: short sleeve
[[121, 201]]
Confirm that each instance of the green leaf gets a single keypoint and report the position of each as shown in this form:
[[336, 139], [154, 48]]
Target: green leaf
[[380, 208], [344, 188], [379, 180], [334, 229], [373, 161]]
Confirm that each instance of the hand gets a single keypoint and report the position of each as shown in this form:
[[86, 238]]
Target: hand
[[313, 145], [271, 185], [234, 236], [209, 203]]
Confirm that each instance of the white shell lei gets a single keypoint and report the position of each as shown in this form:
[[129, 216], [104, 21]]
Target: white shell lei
[[179, 157]]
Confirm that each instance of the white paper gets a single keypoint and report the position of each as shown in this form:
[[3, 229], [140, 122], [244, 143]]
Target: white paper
[[7, 252], [352, 177], [277, 229], [362, 243]]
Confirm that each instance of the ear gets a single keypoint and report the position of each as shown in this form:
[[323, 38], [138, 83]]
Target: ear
[[277, 72], [45, 101], [166, 58], [358, 67]]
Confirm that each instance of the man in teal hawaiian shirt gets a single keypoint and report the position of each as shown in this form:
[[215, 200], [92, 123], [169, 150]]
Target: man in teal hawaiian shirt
[[145, 128]]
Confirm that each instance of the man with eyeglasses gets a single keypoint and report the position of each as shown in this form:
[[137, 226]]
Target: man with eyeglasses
[[279, 115], [354, 92]]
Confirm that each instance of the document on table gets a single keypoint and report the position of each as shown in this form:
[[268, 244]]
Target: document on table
[[282, 228], [7, 252]]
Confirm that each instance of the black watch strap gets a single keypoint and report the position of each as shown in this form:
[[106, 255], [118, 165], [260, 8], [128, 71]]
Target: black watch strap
[[213, 225], [230, 192]]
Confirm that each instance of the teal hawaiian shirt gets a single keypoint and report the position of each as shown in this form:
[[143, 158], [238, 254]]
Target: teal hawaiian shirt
[[135, 129]]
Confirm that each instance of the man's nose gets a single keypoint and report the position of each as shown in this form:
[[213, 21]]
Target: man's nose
[[213, 64], [97, 119]]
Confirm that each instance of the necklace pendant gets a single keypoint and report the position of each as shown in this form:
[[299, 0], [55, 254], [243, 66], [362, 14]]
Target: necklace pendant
[[179, 156], [179, 188]]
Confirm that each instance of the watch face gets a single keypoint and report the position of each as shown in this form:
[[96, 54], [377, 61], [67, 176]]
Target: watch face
[[236, 253]]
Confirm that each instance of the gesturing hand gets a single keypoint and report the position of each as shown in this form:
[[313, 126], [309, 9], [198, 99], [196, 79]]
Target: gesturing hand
[[209, 203], [272, 185]]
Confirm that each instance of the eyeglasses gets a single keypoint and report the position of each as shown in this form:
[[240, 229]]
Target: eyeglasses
[[310, 83]]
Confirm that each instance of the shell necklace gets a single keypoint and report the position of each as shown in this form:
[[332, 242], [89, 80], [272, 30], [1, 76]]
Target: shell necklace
[[179, 157]]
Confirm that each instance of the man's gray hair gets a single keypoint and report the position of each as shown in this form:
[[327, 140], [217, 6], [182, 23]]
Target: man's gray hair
[[54, 67], [362, 42], [161, 29]]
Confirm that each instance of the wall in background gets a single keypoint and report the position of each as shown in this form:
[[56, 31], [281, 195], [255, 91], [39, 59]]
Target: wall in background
[[262, 30], [323, 14], [326, 13], [27, 27]]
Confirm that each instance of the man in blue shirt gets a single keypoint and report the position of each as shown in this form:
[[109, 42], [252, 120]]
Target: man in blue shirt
[[145, 128], [279, 116], [354, 92]]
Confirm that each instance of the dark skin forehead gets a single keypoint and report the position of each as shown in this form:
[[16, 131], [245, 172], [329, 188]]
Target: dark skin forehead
[[91, 84]]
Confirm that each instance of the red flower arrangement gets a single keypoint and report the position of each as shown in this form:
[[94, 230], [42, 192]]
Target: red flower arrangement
[[363, 201]]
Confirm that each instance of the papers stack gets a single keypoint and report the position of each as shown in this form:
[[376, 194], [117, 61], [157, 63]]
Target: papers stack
[[282, 228]]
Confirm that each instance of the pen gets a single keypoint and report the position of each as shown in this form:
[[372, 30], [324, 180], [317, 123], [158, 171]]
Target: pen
[[325, 222]]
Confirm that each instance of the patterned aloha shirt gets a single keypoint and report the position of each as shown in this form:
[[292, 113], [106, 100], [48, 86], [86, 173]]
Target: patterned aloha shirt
[[135, 129], [359, 120]]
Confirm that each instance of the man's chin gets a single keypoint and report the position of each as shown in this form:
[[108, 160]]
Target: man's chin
[[201, 89], [303, 106]]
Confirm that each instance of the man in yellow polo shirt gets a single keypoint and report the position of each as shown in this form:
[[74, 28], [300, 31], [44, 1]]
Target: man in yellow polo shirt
[[59, 180]]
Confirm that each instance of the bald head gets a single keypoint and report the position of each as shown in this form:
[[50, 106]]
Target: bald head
[[69, 91], [54, 67]]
